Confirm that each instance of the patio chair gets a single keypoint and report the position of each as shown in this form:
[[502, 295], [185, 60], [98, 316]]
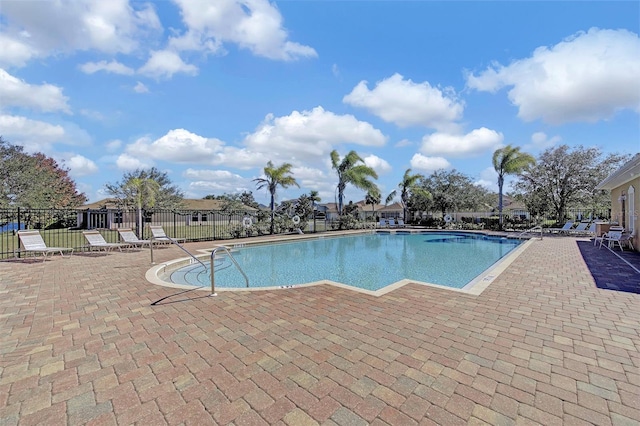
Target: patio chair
[[581, 229], [400, 223], [382, 223], [97, 241], [392, 223], [32, 242], [617, 237], [159, 235], [565, 229], [128, 236], [592, 229], [599, 238]]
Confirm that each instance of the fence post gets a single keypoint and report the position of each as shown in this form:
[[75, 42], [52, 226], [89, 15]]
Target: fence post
[[19, 227]]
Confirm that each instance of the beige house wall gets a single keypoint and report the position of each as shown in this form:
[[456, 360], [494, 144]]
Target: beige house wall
[[627, 195]]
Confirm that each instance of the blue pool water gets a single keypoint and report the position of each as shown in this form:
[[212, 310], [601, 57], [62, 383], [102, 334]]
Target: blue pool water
[[370, 261]]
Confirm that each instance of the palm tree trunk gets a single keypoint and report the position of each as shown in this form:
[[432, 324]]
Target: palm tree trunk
[[273, 210], [500, 184], [139, 220]]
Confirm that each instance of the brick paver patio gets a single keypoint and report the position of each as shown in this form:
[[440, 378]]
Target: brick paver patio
[[81, 343]]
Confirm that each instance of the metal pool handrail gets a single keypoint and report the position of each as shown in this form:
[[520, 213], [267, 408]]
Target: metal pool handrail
[[530, 231], [181, 248], [213, 275]]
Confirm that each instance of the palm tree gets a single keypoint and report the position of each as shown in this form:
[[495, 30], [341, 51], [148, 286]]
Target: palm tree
[[408, 185], [351, 170], [143, 191], [314, 196], [373, 197], [275, 177], [507, 161]]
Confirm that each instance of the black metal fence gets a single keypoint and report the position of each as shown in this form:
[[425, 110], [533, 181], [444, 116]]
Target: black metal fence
[[63, 228], [512, 219]]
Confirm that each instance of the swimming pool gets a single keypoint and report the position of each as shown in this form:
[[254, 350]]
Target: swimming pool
[[370, 261]]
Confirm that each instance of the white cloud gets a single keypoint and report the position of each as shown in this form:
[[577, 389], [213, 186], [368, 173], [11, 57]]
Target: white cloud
[[309, 177], [15, 52], [461, 145], [36, 135], [402, 143], [309, 135], [17, 93], [127, 162], [94, 115], [114, 67], [254, 25], [206, 182], [32, 134], [166, 63], [299, 137], [540, 141], [378, 164], [212, 175], [406, 103], [586, 77], [422, 163], [488, 179], [108, 26], [80, 166], [113, 145], [140, 88], [179, 146]]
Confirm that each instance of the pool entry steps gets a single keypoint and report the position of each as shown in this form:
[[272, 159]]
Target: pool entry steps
[[213, 272], [204, 267]]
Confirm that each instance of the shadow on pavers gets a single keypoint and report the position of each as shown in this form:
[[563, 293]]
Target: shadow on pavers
[[608, 270]]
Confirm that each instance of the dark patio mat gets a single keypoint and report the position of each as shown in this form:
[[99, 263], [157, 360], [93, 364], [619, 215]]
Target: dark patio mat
[[608, 270]]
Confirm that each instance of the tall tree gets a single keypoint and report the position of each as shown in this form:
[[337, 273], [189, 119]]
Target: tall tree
[[145, 190], [235, 202], [167, 195], [314, 197], [567, 177], [275, 177], [450, 191], [508, 161], [373, 197], [351, 170], [35, 181], [407, 186]]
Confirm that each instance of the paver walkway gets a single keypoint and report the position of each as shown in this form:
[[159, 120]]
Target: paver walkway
[[81, 343]]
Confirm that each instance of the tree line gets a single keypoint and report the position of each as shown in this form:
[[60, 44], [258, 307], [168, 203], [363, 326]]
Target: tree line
[[559, 178]]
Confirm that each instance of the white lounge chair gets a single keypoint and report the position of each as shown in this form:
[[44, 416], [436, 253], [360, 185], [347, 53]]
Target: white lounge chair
[[32, 242], [97, 241], [565, 229], [128, 236], [159, 235], [581, 229], [392, 223], [383, 223], [400, 223]]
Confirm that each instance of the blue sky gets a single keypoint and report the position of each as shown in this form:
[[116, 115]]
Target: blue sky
[[209, 91]]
